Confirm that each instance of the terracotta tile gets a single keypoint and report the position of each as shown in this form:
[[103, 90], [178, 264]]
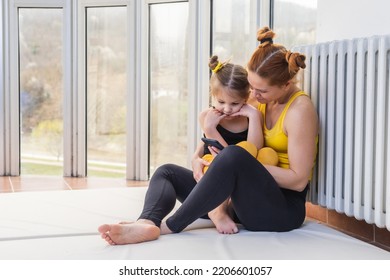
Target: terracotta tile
[[351, 225], [32, 183], [76, 183], [94, 183], [316, 212], [5, 184], [131, 183]]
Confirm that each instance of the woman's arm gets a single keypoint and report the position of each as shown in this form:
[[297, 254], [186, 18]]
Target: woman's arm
[[301, 127]]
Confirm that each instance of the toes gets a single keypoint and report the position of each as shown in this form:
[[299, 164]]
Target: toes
[[104, 228], [109, 240]]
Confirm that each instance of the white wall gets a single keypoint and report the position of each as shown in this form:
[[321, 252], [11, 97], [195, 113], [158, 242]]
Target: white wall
[[347, 19]]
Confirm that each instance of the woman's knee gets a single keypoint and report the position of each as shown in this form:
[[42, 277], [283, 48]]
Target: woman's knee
[[232, 155]]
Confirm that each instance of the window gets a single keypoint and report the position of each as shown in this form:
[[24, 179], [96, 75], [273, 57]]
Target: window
[[106, 91], [168, 79], [41, 91], [295, 22], [231, 30], [110, 88]]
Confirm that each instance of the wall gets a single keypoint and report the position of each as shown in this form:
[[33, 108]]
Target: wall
[[347, 19], [370, 233]]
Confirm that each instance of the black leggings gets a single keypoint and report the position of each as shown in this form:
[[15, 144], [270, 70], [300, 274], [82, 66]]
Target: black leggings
[[258, 202]]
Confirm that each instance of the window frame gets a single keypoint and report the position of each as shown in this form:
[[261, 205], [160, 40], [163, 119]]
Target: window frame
[[11, 149], [79, 139], [3, 108]]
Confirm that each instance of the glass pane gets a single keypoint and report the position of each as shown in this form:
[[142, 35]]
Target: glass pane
[[230, 23], [168, 84], [295, 22], [41, 91], [106, 91]]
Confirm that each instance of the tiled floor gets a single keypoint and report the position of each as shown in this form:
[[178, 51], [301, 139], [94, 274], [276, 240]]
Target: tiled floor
[[38, 183]]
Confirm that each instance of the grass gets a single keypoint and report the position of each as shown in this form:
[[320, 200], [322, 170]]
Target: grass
[[57, 170]]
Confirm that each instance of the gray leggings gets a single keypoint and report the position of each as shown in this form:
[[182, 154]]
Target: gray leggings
[[259, 204]]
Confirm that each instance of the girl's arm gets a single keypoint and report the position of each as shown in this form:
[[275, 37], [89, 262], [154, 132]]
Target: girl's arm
[[209, 120], [213, 120], [255, 127]]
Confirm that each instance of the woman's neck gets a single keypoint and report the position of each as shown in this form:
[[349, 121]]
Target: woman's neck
[[284, 99]]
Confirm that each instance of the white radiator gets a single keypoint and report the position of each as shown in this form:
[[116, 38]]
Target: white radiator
[[349, 84]]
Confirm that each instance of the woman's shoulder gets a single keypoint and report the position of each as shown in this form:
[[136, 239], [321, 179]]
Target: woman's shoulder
[[300, 99], [302, 110]]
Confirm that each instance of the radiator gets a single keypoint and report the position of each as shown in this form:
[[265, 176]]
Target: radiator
[[348, 82]]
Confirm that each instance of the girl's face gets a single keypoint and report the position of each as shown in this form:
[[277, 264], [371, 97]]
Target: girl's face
[[227, 102], [262, 91]]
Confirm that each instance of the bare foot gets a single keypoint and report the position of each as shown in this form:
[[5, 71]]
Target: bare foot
[[222, 221], [131, 233], [165, 229], [125, 223]]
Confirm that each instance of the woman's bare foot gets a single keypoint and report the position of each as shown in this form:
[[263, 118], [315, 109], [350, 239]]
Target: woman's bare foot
[[222, 221], [164, 229], [129, 233]]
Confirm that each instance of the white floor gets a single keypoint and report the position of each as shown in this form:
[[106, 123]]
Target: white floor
[[63, 225]]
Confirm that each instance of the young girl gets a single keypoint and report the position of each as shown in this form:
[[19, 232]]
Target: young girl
[[229, 89]]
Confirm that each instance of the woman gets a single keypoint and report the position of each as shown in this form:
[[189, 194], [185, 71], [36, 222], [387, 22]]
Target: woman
[[263, 198]]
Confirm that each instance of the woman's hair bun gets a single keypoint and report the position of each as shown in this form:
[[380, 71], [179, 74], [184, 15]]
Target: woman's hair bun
[[295, 61], [265, 36]]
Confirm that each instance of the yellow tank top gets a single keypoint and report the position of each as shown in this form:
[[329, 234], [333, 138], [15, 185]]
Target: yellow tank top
[[275, 137]]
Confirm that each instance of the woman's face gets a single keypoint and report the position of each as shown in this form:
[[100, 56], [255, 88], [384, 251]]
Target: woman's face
[[262, 91], [227, 102]]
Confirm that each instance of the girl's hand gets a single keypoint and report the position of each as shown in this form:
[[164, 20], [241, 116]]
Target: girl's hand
[[214, 151], [255, 133], [247, 111], [212, 119]]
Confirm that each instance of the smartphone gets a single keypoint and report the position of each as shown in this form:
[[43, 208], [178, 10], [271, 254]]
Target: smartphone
[[212, 142]]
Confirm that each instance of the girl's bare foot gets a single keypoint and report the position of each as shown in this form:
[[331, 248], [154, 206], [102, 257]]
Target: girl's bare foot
[[222, 221], [129, 233]]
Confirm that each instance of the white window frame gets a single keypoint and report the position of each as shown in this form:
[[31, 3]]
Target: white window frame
[[11, 88], [3, 108], [79, 111]]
